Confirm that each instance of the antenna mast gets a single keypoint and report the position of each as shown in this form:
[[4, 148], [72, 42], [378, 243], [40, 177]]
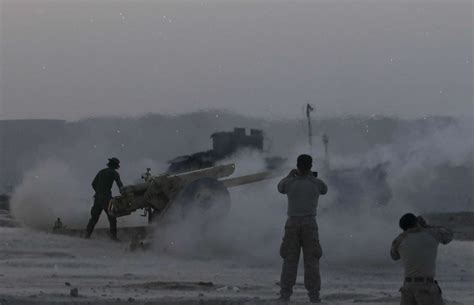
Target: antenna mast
[[309, 108]]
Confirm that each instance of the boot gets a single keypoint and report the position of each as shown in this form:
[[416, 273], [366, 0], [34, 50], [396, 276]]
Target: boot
[[315, 299], [87, 235], [114, 237], [283, 300]]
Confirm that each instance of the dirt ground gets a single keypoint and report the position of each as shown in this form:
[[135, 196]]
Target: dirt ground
[[42, 268]]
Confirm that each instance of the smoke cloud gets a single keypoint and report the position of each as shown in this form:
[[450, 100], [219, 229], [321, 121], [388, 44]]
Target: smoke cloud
[[49, 191], [430, 168]]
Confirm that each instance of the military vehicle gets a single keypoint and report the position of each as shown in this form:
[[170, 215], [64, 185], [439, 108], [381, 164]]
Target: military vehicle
[[224, 145]]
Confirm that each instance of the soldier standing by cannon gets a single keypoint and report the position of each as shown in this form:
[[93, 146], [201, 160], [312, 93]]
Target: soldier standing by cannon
[[102, 185], [301, 231]]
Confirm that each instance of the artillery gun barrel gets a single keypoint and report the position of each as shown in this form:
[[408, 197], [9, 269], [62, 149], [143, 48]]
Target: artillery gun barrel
[[216, 172], [247, 179]]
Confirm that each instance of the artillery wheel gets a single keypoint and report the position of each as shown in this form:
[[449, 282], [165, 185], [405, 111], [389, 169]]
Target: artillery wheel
[[208, 195]]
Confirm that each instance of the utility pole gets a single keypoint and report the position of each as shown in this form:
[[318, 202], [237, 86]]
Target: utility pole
[[309, 108], [326, 151]]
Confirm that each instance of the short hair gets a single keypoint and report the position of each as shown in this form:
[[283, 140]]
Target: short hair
[[304, 162], [408, 221]]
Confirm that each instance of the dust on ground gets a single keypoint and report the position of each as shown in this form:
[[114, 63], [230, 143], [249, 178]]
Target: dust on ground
[[42, 268]]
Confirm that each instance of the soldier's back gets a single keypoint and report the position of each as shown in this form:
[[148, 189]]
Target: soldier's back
[[418, 251], [104, 180]]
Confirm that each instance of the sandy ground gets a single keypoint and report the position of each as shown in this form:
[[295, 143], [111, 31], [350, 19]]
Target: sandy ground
[[42, 268]]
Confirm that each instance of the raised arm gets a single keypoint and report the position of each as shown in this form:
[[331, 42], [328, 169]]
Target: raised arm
[[394, 249], [441, 234], [323, 188], [282, 185], [118, 181]]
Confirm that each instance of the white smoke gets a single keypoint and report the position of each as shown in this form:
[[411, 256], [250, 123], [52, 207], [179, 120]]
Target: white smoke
[[254, 227], [48, 192], [428, 171], [55, 189], [251, 231], [434, 172]]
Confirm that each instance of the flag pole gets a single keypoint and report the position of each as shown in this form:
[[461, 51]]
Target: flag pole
[[309, 108]]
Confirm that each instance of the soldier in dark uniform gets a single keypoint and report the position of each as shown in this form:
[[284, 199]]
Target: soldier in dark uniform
[[102, 186], [301, 230]]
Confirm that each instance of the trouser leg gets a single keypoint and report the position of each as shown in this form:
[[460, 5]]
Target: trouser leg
[[312, 252], [439, 297], [407, 296], [112, 225], [428, 294], [312, 277], [95, 214], [290, 252]]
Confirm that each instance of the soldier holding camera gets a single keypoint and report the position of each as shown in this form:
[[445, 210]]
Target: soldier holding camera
[[417, 247], [303, 189]]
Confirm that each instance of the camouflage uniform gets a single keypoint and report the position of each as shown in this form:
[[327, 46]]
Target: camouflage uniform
[[102, 186], [418, 247], [421, 294], [301, 232]]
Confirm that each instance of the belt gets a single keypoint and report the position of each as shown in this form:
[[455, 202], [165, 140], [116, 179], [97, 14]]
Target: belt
[[302, 217], [419, 280]]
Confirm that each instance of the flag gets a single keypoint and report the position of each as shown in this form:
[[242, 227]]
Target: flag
[[309, 108]]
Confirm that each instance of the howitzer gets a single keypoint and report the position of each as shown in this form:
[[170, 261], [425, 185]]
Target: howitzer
[[200, 188]]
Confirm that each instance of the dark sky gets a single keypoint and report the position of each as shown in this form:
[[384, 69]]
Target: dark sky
[[72, 59]]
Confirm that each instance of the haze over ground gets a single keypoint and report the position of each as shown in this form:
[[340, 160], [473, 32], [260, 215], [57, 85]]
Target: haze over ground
[[74, 59]]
